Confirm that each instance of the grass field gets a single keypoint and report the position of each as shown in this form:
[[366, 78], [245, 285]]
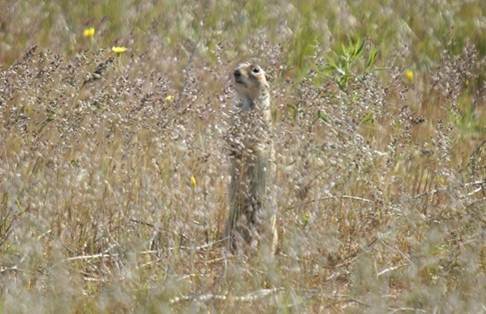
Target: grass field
[[114, 169]]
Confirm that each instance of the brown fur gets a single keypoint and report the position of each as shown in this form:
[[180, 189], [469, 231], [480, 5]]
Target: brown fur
[[252, 215]]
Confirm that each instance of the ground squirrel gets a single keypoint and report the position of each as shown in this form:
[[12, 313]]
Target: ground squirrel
[[252, 215]]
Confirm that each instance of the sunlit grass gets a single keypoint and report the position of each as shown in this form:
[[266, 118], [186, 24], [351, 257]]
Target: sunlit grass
[[114, 170]]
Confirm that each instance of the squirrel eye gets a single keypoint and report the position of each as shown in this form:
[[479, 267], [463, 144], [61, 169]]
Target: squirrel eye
[[256, 70]]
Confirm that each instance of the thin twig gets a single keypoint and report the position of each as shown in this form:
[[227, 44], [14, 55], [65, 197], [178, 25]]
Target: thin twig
[[249, 297], [146, 252], [406, 309], [479, 182], [141, 222], [335, 197], [88, 257], [389, 269], [479, 189]]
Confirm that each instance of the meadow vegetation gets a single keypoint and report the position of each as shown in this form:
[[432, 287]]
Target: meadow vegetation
[[114, 170]]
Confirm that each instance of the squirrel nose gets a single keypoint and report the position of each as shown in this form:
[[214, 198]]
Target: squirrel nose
[[237, 73]]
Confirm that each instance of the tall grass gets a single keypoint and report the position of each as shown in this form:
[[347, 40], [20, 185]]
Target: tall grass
[[114, 170]]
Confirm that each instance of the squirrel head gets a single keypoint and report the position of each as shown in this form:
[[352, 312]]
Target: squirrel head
[[250, 81]]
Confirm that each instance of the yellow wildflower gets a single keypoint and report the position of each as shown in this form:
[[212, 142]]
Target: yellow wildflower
[[89, 32], [409, 74], [193, 182], [118, 50], [169, 98]]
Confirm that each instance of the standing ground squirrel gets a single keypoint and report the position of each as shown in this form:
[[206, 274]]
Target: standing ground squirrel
[[252, 215]]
